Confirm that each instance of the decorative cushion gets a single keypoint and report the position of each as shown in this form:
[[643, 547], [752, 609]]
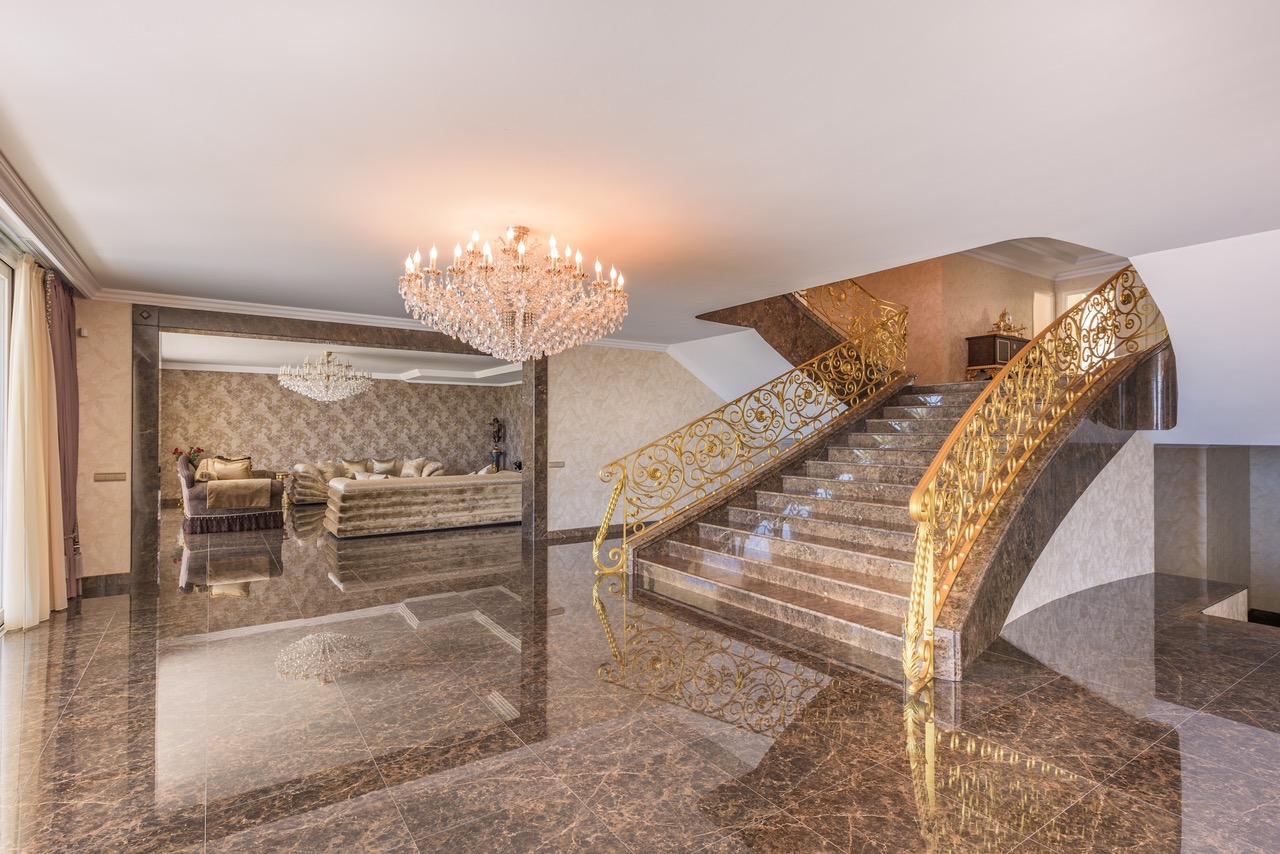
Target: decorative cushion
[[240, 469], [204, 469], [391, 467], [329, 469], [370, 475], [412, 468], [432, 468], [350, 467], [489, 469]]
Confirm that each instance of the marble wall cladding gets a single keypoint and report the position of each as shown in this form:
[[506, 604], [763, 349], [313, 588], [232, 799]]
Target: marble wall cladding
[[604, 402], [949, 299], [1227, 502], [919, 288], [236, 413], [103, 363], [1107, 535], [1181, 527], [1264, 510], [783, 324]]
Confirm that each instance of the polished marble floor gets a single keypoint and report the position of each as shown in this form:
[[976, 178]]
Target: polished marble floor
[[482, 709]]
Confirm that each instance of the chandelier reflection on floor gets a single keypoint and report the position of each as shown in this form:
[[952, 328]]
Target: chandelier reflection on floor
[[327, 379], [511, 304]]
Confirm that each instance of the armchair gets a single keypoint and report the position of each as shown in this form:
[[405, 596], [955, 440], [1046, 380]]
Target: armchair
[[200, 518]]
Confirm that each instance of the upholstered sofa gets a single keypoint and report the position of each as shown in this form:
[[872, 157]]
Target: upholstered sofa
[[311, 480], [200, 518], [360, 508]]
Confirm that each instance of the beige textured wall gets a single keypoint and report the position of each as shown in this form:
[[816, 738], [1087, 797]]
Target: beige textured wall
[[1227, 492], [919, 288], [603, 402], [974, 292], [1181, 526], [950, 299], [230, 413], [1107, 535], [104, 365], [1264, 508]]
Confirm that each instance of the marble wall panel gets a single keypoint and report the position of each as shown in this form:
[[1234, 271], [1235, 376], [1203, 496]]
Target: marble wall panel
[[1227, 505], [1181, 526], [236, 413], [1264, 509], [103, 363], [1108, 534], [604, 402]]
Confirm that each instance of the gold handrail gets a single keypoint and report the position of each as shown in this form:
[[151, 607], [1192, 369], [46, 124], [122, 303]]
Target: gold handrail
[[709, 454], [1002, 430]]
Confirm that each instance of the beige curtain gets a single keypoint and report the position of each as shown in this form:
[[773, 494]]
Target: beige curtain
[[33, 567]]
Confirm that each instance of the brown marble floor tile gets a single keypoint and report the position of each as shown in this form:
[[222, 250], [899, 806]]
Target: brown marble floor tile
[[370, 822], [1110, 821], [1252, 700], [778, 833], [1068, 726], [993, 680], [556, 822]]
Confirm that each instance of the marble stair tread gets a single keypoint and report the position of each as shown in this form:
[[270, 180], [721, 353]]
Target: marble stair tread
[[866, 472], [963, 399], [861, 490], [834, 518], [974, 388], [895, 440], [856, 511], [886, 534], [920, 457], [790, 598], [742, 565], [909, 425], [826, 543], [783, 635], [948, 412]]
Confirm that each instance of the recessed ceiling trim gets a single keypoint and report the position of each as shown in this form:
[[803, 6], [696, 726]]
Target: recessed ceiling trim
[[23, 215], [1000, 260], [1097, 270]]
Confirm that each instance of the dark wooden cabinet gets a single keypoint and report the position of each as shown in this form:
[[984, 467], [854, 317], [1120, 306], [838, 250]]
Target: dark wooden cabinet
[[991, 352]]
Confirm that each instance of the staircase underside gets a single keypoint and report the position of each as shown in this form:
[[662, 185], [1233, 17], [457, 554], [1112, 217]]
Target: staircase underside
[[820, 556]]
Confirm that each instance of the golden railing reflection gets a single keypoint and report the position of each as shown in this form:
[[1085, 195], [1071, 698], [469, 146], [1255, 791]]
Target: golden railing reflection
[[1002, 430], [700, 460], [710, 673]]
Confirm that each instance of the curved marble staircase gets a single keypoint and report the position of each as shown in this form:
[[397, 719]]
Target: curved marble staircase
[[821, 555]]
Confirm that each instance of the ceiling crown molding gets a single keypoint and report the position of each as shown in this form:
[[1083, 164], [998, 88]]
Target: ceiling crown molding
[[35, 230]]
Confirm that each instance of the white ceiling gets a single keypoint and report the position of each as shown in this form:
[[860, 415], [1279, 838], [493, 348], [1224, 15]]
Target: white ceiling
[[292, 153], [184, 351]]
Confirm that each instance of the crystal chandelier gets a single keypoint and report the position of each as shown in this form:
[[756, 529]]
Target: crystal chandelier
[[511, 305], [326, 379]]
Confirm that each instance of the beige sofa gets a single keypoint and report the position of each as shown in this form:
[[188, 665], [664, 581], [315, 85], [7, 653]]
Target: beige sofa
[[311, 480], [361, 508]]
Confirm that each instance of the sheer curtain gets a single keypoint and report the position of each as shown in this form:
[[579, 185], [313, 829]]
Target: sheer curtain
[[33, 568]]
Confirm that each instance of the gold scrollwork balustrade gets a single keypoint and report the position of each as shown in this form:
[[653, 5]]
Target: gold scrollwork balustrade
[[696, 462], [1003, 429]]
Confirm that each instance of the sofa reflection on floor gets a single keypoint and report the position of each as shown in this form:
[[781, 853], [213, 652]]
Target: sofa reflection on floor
[[225, 564], [375, 562]]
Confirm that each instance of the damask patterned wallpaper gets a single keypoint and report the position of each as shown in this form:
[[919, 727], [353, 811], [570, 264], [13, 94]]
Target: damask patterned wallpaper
[[233, 414], [603, 402]]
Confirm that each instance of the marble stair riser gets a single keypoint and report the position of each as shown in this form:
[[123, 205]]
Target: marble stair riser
[[920, 458], [910, 425], [864, 472], [943, 413], [886, 595], [973, 389], [880, 493], [834, 529], [670, 583], [857, 513], [759, 547], [961, 400], [895, 441]]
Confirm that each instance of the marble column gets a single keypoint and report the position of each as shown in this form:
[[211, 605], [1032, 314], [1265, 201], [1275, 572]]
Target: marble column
[[533, 411], [145, 523]]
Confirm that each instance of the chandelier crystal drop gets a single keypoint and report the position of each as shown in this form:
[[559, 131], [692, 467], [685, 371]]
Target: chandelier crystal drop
[[511, 303], [328, 378]]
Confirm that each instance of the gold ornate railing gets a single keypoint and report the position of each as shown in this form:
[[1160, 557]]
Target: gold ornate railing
[[1002, 430], [697, 462]]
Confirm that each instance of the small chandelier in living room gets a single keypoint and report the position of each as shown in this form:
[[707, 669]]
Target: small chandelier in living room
[[512, 304], [327, 378]]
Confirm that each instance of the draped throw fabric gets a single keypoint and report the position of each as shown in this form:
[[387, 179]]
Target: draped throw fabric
[[62, 337], [33, 567]]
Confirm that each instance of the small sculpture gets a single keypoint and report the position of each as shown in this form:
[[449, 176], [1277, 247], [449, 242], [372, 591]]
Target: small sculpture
[[1004, 325], [497, 434]]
